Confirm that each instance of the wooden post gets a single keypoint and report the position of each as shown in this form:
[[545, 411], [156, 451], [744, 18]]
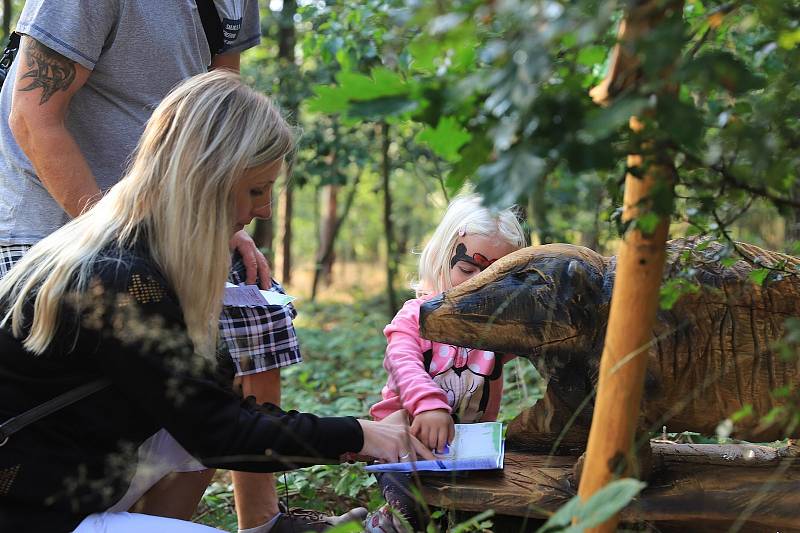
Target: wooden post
[[635, 297]]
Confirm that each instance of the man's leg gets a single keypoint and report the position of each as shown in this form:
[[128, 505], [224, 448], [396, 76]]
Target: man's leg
[[255, 494]]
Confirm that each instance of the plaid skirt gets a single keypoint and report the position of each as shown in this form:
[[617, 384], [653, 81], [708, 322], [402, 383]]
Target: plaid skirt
[[257, 338], [10, 254]]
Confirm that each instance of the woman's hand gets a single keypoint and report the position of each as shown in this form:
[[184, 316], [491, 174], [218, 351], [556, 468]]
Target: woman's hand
[[434, 428], [398, 417], [391, 443], [254, 261]]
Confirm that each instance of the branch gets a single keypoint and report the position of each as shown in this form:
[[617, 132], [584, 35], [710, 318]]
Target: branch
[[734, 181], [742, 254]]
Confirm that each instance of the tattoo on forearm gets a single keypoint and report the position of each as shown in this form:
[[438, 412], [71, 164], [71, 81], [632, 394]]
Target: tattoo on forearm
[[47, 70]]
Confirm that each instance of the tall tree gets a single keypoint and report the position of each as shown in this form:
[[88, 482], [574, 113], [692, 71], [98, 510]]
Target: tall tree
[[286, 43], [611, 451], [264, 236], [326, 251], [7, 13], [327, 232], [391, 251]]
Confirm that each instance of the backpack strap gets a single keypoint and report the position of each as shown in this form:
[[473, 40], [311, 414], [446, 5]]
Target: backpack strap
[[212, 25], [11, 50], [14, 424]]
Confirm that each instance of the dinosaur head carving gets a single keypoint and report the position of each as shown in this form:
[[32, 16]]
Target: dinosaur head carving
[[541, 299]]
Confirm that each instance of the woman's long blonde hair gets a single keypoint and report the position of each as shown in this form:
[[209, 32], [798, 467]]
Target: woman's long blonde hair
[[176, 198], [466, 215]]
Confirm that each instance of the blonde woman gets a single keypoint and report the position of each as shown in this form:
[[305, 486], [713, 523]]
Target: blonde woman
[[131, 291]]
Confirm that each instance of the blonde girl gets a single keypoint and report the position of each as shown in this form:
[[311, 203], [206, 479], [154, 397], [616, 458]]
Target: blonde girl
[[433, 385]]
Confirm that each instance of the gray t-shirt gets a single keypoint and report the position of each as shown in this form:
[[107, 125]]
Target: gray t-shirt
[[137, 51]]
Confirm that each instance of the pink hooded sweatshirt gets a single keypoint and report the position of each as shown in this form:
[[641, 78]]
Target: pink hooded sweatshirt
[[425, 375]]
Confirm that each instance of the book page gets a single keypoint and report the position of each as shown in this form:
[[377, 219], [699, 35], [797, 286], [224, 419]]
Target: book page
[[475, 447], [252, 296]]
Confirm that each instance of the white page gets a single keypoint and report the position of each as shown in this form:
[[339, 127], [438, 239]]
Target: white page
[[475, 447], [252, 296]]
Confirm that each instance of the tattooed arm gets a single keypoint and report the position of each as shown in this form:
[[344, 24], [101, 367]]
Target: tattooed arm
[[45, 83]]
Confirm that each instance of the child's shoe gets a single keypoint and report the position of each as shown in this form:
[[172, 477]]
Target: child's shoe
[[384, 520]]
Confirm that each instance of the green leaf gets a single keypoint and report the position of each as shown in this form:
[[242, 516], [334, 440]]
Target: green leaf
[[673, 289], [329, 99], [789, 40], [601, 506], [741, 414], [601, 122], [380, 82], [647, 223], [608, 501], [561, 518], [347, 527], [381, 107], [472, 522], [681, 121], [592, 55], [473, 155], [424, 52], [721, 69], [446, 139], [729, 261], [759, 275]]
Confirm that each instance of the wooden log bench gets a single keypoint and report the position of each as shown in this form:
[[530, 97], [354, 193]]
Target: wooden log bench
[[693, 488]]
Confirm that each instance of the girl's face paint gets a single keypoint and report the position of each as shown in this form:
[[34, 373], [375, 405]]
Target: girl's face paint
[[473, 254]]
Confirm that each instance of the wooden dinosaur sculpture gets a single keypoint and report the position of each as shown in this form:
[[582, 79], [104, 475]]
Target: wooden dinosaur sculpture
[[712, 353]]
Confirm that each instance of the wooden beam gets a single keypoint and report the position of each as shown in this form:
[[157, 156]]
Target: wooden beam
[[706, 496]]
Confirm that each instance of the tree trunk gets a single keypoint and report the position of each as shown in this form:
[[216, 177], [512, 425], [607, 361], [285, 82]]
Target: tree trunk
[[537, 212], [7, 12], [327, 250], [635, 297], [793, 220], [327, 236], [591, 237], [286, 43], [264, 235], [391, 257]]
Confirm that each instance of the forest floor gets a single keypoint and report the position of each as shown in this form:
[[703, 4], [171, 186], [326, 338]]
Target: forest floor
[[342, 374]]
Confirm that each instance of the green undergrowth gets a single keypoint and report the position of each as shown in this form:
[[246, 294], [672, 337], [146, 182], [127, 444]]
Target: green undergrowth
[[342, 375]]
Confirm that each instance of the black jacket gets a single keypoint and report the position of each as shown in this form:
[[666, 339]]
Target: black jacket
[[79, 460]]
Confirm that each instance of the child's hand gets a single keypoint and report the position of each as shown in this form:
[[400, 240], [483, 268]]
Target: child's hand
[[434, 428]]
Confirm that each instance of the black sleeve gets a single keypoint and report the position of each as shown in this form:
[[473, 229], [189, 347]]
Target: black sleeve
[[141, 344]]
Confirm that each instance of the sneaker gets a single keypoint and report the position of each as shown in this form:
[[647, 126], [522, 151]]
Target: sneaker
[[384, 520], [297, 520]]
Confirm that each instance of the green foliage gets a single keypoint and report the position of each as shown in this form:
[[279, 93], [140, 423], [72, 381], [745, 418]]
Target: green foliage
[[216, 508], [445, 139], [577, 516], [479, 522], [673, 289], [494, 96], [380, 94]]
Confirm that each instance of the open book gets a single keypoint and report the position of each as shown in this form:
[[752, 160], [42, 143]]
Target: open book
[[475, 447]]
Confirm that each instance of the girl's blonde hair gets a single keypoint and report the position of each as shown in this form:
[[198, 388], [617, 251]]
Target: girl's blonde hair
[[466, 215], [176, 198]]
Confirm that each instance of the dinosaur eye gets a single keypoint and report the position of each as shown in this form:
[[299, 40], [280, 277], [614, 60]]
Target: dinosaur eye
[[527, 277]]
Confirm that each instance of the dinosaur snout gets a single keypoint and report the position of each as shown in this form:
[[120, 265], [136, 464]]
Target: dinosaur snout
[[429, 307]]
